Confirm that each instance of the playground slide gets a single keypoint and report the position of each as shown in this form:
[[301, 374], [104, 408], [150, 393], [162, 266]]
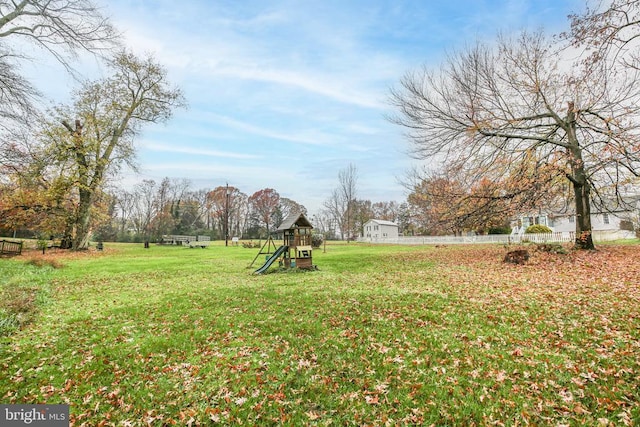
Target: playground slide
[[270, 260]]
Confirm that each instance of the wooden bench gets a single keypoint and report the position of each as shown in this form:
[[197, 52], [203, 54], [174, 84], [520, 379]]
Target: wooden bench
[[8, 247]]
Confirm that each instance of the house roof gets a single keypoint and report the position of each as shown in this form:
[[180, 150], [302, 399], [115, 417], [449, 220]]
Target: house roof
[[294, 220], [383, 222]]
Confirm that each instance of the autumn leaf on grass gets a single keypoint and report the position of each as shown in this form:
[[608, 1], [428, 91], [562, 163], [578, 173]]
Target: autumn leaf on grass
[[312, 415], [372, 400]]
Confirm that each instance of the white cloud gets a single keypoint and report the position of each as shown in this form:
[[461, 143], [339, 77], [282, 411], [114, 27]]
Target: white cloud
[[328, 86], [185, 149]]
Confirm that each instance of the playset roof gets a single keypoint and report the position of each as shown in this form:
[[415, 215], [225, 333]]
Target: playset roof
[[295, 220]]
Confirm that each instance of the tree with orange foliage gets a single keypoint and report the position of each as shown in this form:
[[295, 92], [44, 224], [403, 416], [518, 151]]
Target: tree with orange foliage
[[31, 196], [223, 204], [264, 205]]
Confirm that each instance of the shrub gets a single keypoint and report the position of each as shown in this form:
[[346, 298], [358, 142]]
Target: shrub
[[42, 244], [316, 240], [251, 244], [537, 229], [500, 230]]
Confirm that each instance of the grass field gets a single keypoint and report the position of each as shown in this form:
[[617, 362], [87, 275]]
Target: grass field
[[379, 335]]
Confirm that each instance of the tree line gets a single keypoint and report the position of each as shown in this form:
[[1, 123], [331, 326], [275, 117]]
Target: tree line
[[152, 209]]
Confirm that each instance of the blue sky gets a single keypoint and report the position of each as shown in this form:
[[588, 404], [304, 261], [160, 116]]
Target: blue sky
[[284, 94]]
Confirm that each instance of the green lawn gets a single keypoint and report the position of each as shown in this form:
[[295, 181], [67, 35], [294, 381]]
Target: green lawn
[[379, 335]]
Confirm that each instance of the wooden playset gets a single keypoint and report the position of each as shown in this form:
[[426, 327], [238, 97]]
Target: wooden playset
[[296, 250]]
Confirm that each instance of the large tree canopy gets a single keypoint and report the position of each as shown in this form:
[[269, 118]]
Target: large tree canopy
[[109, 114], [86, 141], [490, 109], [264, 205]]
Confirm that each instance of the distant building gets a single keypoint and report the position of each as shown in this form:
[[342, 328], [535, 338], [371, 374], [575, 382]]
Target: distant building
[[614, 218], [380, 229], [523, 221]]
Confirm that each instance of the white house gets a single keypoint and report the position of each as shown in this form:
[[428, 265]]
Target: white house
[[519, 225], [616, 218], [380, 229]]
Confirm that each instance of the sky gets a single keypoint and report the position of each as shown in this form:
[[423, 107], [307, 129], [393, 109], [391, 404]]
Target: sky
[[285, 94]]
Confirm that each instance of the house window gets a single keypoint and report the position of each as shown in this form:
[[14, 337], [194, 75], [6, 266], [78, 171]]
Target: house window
[[605, 218], [572, 218], [375, 227]]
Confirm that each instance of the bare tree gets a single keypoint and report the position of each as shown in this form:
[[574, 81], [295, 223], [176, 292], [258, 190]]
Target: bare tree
[[340, 206], [240, 213], [200, 197], [16, 93], [348, 180], [325, 224], [389, 211], [125, 203], [334, 209], [62, 28], [289, 207], [487, 111], [157, 207], [145, 206]]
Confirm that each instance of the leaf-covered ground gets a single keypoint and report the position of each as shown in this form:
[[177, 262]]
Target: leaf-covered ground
[[378, 336]]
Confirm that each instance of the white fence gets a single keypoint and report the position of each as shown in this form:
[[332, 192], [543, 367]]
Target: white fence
[[557, 237]]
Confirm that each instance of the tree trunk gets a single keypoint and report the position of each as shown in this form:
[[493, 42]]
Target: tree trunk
[[581, 186], [584, 238], [81, 239]]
